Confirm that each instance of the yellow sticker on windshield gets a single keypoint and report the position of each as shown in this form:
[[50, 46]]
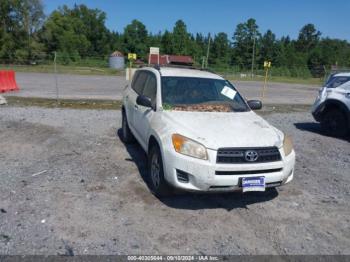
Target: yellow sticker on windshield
[[228, 92]]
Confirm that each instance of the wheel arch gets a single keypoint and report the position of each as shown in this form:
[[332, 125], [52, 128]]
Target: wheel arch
[[153, 141], [338, 105]]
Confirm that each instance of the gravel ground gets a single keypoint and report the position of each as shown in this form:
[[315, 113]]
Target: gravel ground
[[68, 185], [110, 87]]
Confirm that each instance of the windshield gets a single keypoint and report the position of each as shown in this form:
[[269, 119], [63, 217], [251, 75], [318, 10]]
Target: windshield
[[201, 94]]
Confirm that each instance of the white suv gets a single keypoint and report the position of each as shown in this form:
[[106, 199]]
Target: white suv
[[332, 106], [201, 135]]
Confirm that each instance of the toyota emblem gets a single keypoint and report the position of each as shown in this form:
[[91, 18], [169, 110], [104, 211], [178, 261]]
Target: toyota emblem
[[251, 156]]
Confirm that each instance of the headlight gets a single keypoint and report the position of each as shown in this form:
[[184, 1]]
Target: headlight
[[188, 147], [287, 145]]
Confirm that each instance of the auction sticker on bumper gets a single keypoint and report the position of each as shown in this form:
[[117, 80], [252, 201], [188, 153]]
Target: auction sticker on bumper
[[253, 184]]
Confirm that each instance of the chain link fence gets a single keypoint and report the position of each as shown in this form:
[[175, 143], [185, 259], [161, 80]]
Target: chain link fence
[[90, 77]]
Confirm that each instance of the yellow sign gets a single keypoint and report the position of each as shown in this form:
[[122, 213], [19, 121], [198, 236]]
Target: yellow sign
[[132, 56], [267, 64]]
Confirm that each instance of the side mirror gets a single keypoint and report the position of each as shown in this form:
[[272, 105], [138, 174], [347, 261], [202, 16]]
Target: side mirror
[[254, 104], [144, 101]]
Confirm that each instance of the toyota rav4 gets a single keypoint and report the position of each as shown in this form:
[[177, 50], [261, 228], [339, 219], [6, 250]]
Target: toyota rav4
[[201, 135], [332, 106]]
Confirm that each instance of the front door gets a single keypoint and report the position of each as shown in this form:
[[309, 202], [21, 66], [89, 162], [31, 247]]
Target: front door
[[143, 115]]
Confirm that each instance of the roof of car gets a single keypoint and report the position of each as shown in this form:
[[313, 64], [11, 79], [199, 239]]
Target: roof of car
[[342, 74], [188, 72]]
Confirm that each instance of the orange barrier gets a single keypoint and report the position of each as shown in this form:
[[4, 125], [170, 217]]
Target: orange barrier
[[8, 81]]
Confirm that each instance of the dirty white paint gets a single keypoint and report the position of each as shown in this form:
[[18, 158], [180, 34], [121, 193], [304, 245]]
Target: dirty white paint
[[213, 130]]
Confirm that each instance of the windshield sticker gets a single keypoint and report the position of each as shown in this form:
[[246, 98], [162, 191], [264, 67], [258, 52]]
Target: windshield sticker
[[228, 92]]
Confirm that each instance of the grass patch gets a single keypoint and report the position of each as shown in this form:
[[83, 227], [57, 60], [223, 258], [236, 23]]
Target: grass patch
[[279, 79], [64, 103], [64, 69], [85, 70]]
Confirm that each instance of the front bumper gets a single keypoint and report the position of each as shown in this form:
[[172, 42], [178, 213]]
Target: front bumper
[[207, 175]]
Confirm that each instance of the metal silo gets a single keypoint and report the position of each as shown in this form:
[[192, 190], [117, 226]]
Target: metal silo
[[116, 60]]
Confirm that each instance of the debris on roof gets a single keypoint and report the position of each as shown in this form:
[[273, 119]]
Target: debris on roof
[[170, 59]]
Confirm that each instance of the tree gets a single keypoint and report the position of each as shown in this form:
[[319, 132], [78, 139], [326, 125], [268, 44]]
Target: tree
[[77, 32], [220, 50], [181, 39], [167, 43], [32, 18], [65, 33], [243, 43], [20, 22], [308, 38], [268, 47], [94, 29], [135, 38]]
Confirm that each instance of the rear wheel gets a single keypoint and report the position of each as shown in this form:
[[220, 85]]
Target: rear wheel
[[157, 182], [334, 123], [127, 136]]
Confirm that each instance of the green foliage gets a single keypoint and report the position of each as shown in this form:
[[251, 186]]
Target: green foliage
[[135, 38], [20, 21], [181, 39], [167, 43], [308, 38], [79, 37], [245, 37], [220, 50]]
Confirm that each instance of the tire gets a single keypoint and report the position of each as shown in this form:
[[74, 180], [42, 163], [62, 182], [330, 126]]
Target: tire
[[127, 136], [157, 183], [334, 123]]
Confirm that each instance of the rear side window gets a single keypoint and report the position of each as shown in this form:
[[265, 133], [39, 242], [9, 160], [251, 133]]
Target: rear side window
[[139, 82], [150, 89]]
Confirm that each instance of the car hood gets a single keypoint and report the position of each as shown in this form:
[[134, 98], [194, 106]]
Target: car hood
[[218, 129]]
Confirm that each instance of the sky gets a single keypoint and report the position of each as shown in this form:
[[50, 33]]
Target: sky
[[282, 17]]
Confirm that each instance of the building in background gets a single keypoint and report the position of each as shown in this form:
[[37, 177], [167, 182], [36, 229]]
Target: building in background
[[117, 60]]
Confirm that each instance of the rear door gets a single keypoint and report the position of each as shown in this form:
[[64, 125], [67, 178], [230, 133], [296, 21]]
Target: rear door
[[143, 115]]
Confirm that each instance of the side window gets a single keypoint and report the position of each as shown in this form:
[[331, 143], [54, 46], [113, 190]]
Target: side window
[[150, 89], [134, 79], [140, 81], [337, 81]]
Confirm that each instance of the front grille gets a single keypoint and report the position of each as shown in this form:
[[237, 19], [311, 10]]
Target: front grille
[[237, 155], [251, 172]]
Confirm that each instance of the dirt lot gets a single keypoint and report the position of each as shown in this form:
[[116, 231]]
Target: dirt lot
[[68, 185], [110, 87]]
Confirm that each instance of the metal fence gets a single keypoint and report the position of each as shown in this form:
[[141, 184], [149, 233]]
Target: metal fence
[[79, 77]]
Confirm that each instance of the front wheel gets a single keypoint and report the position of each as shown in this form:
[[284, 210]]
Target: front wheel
[[157, 182], [334, 123]]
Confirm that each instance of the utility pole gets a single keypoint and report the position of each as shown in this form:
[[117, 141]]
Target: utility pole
[[56, 82], [208, 51], [253, 55], [203, 61]]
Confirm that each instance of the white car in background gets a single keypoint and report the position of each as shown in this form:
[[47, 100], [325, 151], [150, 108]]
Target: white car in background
[[332, 106], [201, 135]]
